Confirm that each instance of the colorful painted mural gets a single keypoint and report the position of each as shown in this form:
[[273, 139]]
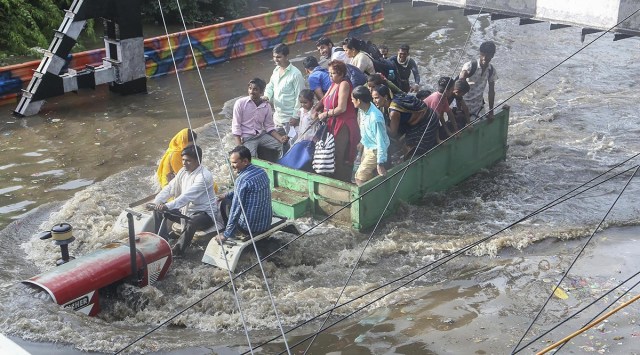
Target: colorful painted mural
[[224, 41]]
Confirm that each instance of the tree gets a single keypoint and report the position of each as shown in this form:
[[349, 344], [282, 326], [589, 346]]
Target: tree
[[27, 24], [204, 11]]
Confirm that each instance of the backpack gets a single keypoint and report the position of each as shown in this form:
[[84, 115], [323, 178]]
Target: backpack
[[372, 49], [355, 76], [474, 68], [380, 65]]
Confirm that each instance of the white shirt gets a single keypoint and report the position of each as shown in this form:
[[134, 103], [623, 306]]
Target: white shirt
[[282, 91], [363, 62], [192, 192], [339, 55], [477, 82]]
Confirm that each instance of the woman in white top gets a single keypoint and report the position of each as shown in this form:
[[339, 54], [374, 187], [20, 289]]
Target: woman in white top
[[359, 58]]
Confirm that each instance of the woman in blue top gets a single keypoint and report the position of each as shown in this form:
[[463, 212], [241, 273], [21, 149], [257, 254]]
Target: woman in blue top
[[373, 135]]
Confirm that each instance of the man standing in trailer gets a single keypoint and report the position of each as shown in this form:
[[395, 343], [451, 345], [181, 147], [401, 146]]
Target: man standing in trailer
[[250, 212], [478, 73], [283, 90]]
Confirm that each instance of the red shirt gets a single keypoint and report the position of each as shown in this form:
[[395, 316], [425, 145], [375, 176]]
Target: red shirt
[[437, 102]]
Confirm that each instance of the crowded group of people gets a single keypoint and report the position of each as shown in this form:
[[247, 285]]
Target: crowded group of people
[[414, 120], [365, 99]]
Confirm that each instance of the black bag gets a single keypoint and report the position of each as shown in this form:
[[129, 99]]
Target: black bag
[[380, 64]]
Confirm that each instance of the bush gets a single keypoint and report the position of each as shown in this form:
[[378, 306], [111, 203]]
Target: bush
[[204, 11], [28, 24]]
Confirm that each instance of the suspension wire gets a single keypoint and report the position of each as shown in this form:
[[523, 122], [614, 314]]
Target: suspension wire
[[204, 88], [447, 257], [604, 310], [202, 172], [375, 289], [383, 181], [584, 308], [550, 205], [462, 250], [251, 234], [184, 103], [273, 304], [395, 190], [587, 327], [576, 259]]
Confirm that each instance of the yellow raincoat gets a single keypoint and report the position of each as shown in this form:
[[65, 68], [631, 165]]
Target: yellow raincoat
[[171, 162]]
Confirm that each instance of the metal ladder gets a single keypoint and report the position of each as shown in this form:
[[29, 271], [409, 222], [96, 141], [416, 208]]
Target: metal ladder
[[123, 67]]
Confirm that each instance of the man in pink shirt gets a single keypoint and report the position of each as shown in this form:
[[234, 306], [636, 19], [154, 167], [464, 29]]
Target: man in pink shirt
[[439, 103], [252, 124]]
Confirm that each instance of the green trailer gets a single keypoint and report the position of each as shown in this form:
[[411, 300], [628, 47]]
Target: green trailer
[[298, 193]]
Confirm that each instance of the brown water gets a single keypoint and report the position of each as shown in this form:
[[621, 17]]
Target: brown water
[[93, 153]]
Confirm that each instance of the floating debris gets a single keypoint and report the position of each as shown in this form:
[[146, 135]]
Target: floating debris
[[558, 292]]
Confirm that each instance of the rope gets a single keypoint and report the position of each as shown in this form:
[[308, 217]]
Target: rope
[[576, 258]]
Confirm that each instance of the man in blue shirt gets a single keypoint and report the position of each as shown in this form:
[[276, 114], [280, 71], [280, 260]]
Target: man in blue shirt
[[251, 199], [319, 80]]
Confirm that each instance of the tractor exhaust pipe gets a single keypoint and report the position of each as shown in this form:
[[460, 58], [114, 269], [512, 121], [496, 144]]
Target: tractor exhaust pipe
[[132, 249]]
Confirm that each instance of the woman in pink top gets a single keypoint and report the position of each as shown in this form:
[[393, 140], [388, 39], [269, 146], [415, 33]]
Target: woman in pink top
[[438, 102], [336, 108]]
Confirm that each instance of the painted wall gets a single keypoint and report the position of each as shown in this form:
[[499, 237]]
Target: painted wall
[[224, 41]]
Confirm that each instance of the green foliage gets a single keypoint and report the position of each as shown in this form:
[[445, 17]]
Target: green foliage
[[25, 23], [204, 11]]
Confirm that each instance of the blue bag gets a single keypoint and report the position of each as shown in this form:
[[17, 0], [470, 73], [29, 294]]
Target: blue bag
[[299, 156]]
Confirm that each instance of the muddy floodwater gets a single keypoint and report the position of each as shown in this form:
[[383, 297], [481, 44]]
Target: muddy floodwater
[[88, 155]]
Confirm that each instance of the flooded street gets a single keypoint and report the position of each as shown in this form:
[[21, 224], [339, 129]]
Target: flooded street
[[87, 156]]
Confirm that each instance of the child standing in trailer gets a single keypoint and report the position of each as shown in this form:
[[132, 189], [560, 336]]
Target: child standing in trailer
[[306, 130], [374, 138]]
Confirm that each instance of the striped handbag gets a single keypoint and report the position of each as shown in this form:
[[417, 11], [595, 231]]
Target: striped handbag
[[324, 156]]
